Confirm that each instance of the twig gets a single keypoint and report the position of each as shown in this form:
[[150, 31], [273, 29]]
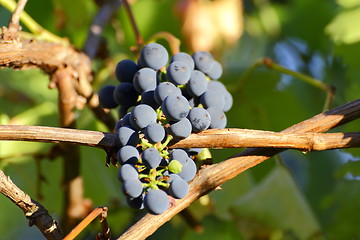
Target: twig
[[213, 138], [14, 25], [103, 16], [208, 178], [101, 211], [138, 37], [34, 211]]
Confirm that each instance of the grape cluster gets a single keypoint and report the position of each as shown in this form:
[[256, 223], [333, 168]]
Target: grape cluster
[[157, 103]]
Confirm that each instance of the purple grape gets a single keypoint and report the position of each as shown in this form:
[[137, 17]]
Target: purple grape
[[125, 94], [154, 56], [199, 118], [148, 98], [132, 188], [151, 158], [125, 70], [106, 97], [178, 188], [127, 172], [197, 84], [180, 129], [165, 89], [184, 57], [156, 201], [175, 107], [154, 132], [142, 115], [212, 98], [127, 136], [215, 70], [218, 118], [145, 79], [188, 171], [181, 155], [203, 61], [128, 154], [178, 73]]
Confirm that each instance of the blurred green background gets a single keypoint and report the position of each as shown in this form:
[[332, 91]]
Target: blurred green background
[[292, 196]]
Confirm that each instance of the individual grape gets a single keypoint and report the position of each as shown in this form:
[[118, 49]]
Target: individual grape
[[125, 70], [124, 121], [172, 177], [127, 172], [148, 98], [136, 203], [106, 98], [184, 57], [154, 56], [132, 188], [145, 79], [178, 73], [156, 201], [175, 107], [125, 94], [165, 89], [194, 151], [212, 98], [128, 154], [228, 101], [151, 158], [154, 132], [142, 115], [188, 171], [199, 118], [181, 155], [178, 188], [127, 136], [218, 118], [203, 61], [215, 71], [197, 84], [220, 88], [180, 129]]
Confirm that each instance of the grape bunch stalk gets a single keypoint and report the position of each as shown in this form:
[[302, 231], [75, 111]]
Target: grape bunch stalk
[[160, 100]]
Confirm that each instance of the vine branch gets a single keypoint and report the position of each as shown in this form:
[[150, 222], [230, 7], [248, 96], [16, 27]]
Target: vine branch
[[34, 211]]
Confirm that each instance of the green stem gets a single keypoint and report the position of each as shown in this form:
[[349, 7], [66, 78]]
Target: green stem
[[32, 25], [330, 91], [164, 145]]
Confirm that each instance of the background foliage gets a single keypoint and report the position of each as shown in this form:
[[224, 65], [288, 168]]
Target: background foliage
[[292, 196]]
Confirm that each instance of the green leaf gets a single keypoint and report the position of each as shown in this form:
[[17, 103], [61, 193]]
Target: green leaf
[[344, 28], [278, 203]]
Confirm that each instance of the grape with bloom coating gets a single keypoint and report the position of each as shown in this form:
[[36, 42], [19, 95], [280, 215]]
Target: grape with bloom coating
[[175, 107], [199, 118], [142, 115], [179, 188], [154, 132], [127, 136], [153, 55], [128, 154], [151, 158], [125, 70], [156, 201]]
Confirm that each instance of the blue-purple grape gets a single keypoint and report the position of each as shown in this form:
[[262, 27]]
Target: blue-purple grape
[[180, 129], [212, 98], [125, 70], [132, 188], [127, 136], [148, 98], [178, 188], [215, 70], [145, 79], [151, 158], [106, 97], [125, 94], [165, 89], [203, 61], [128, 154], [188, 171], [178, 73], [197, 84], [218, 118], [154, 56], [154, 132], [175, 107], [199, 118], [127, 172], [142, 115], [181, 155], [184, 57], [156, 201]]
